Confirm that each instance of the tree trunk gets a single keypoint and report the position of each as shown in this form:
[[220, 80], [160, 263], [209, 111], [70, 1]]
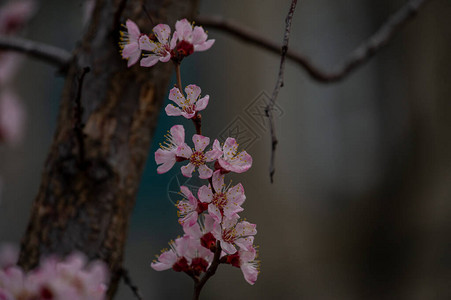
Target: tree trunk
[[87, 195]]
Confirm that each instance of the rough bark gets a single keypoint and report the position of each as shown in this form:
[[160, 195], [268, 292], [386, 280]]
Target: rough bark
[[85, 199]]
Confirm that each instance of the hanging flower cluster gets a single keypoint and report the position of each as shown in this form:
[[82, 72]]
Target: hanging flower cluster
[[213, 231], [55, 279], [159, 45]]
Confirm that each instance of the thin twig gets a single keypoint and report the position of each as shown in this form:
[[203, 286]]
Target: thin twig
[[78, 120], [279, 84], [199, 284], [179, 77], [366, 50], [50, 54], [128, 281], [146, 12]]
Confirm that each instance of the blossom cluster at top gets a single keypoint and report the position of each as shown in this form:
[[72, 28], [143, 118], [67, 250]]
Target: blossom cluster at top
[[160, 45], [54, 279], [214, 233]]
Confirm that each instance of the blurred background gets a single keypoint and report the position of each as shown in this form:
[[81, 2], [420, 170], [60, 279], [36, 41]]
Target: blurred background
[[361, 203]]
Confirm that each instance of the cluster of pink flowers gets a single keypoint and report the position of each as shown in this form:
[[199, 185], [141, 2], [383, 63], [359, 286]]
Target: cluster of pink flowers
[[54, 279], [13, 16], [159, 45], [213, 231]]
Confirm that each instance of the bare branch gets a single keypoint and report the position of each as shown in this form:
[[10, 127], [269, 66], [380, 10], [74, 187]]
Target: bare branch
[[128, 281], [366, 50], [279, 84], [78, 120], [199, 283], [53, 55]]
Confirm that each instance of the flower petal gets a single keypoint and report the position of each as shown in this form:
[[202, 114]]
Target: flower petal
[[205, 194], [173, 40], [192, 92], [230, 148], [204, 46], [166, 57], [227, 247], [178, 133], [149, 61], [176, 96], [188, 170], [200, 142], [184, 29], [218, 181], [184, 151], [236, 194], [202, 103], [165, 261], [162, 31], [146, 44], [130, 50], [204, 172], [173, 111], [133, 30], [215, 213], [199, 35], [250, 272]]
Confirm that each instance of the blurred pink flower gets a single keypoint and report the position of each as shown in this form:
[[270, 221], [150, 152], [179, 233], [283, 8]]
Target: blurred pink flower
[[9, 254], [9, 64], [73, 278], [12, 118], [15, 14]]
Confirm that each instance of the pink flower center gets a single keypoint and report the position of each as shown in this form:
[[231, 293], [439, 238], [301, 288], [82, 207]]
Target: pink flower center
[[189, 109], [220, 200], [228, 235], [197, 158]]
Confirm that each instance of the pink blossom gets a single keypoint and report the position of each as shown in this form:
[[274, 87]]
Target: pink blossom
[[185, 254], [199, 229], [129, 44], [14, 15], [9, 254], [197, 158], [160, 50], [71, 278], [12, 118], [189, 106], [9, 64], [245, 260], [190, 39], [232, 160], [189, 208], [232, 233], [202, 231], [166, 156], [224, 201]]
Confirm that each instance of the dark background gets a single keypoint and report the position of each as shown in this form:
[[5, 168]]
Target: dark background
[[361, 204]]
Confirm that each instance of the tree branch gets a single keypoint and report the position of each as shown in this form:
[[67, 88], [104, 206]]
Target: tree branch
[[50, 54], [279, 84], [366, 50], [199, 283], [128, 281]]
